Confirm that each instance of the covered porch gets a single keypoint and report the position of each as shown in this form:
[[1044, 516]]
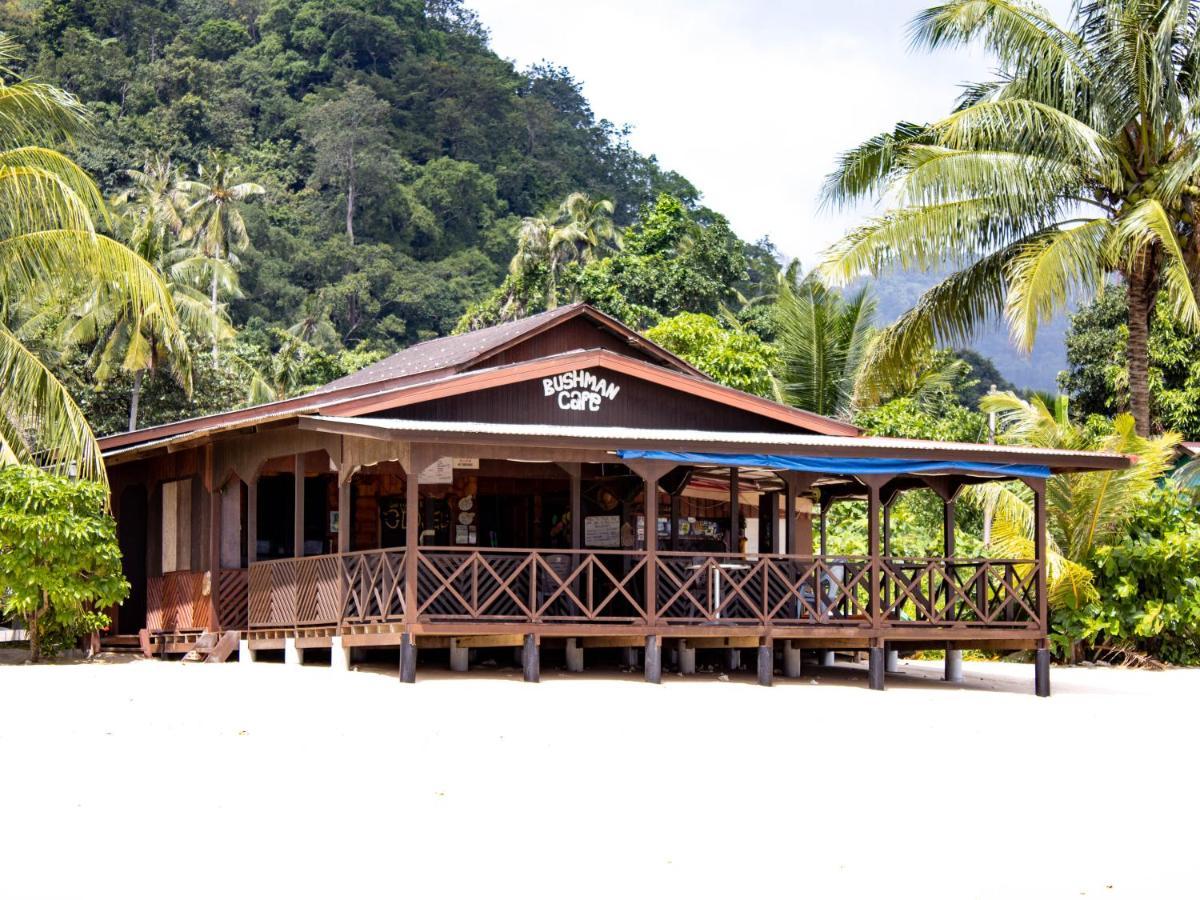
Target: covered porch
[[502, 537]]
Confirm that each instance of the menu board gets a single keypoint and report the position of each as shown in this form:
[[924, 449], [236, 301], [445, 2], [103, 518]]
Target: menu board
[[602, 531]]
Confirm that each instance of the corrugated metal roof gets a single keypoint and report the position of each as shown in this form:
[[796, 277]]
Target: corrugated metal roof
[[619, 438]]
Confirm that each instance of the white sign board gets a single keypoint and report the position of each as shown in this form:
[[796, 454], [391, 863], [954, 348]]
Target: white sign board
[[442, 471], [602, 531], [580, 390]]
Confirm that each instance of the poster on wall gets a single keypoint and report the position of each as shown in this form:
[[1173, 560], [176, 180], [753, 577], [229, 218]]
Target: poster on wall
[[440, 472], [602, 531]]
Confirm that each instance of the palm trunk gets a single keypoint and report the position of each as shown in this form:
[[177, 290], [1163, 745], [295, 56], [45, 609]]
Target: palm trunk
[[1143, 286], [214, 315], [134, 398]]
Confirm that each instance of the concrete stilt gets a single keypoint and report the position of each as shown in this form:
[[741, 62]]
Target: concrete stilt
[[953, 666], [408, 659], [574, 655], [531, 659], [687, 659], [791, 660], [1041, 673], [653, 659], [733, 660], [629, 657], [245, 654], [828, 658], [459, 657], [875, 668], [292, 655], [766, 664], [892, 662], [339, 656], [673, 657]]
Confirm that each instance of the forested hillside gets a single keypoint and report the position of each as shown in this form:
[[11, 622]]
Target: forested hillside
[[398, 154]]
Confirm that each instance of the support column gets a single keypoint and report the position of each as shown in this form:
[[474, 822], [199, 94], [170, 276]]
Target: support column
[[629, 657], [892, 661], [873, 550], [339, 656], [733, 509], [408, 659], [766, 663], [953, 672], [653, 659], [531, 659], [245, 654], [574, 655], [828, 658], [733, 660], [792, 665], [1041, 679], [412, 537], [789, 517], [252, 520], [1041, 672], [576, 506], [687, 659], [460, 657], [345, 514], [298, 508], [875, 667], [214, 553], [292, 655]]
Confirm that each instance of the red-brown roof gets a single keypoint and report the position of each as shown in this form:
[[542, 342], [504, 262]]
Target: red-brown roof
[[428, 369]]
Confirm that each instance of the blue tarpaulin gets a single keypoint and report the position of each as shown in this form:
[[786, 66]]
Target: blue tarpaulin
[[842, 465]]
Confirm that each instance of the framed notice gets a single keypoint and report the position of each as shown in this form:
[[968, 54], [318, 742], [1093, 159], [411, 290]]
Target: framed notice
[[602, 531], [441, 472]]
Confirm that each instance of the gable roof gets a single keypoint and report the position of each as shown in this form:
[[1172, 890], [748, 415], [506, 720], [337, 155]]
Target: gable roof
[[431, 362], [456, 351]]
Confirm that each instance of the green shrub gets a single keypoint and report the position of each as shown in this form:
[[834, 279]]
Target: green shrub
[[1148, 584], [60, 565]]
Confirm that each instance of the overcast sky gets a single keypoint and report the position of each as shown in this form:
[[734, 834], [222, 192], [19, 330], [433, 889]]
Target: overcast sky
[[751, 100]]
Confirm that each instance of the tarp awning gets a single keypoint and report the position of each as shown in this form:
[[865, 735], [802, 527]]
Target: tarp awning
[[846, 465]]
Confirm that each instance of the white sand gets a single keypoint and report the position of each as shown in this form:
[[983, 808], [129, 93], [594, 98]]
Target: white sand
[[126, 780]]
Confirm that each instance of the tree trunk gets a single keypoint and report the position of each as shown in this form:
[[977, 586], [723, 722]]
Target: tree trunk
[[1143, 286], [134, 398], [214, 315], [350, 209], [35, 629]]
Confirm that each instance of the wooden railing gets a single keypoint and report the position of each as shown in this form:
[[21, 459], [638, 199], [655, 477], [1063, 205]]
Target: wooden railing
[[327, 590], [531, 585], [610, 587], [182, 601]]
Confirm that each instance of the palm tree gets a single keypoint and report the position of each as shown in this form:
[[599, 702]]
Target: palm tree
[[1080, 161], [214, 219], [1083, 510], [821, 337], [48, 241]]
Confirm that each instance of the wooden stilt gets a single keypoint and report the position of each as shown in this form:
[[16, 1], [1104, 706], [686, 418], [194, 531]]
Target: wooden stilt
[[653, 659], [408, 659], [766, 663], [531, 661], [875, 666]]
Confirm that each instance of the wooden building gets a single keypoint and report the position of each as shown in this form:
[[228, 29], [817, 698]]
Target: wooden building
[[557, 480]]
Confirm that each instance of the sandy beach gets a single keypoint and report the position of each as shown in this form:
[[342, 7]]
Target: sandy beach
[[133, 778]]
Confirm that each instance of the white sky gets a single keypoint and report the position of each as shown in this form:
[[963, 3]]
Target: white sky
[[752, 100]]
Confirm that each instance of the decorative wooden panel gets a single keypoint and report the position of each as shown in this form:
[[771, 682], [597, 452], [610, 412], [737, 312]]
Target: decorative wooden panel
[[233, 596], [178, 601]]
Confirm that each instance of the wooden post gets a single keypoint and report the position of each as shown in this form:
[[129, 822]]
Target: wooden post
[[789, 516], [412, 500], [214, 543], [733, 509], [345, 515], [873, 550], [252, 520], [651, 512], [298, 507], [766, 662], [1042, 661], [576, 508], [824, 529], [953, 670]]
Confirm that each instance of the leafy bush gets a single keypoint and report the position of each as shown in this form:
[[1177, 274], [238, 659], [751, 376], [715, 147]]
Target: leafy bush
[[60, 565], [1148, 584]]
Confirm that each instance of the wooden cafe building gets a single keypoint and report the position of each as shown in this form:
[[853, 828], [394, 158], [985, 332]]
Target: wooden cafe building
[[557, 482]]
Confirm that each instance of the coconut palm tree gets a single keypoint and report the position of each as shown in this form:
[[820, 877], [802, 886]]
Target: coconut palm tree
[[214, 220], [1083, 510], [821, 338], [48, 242], [1080, 161]]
